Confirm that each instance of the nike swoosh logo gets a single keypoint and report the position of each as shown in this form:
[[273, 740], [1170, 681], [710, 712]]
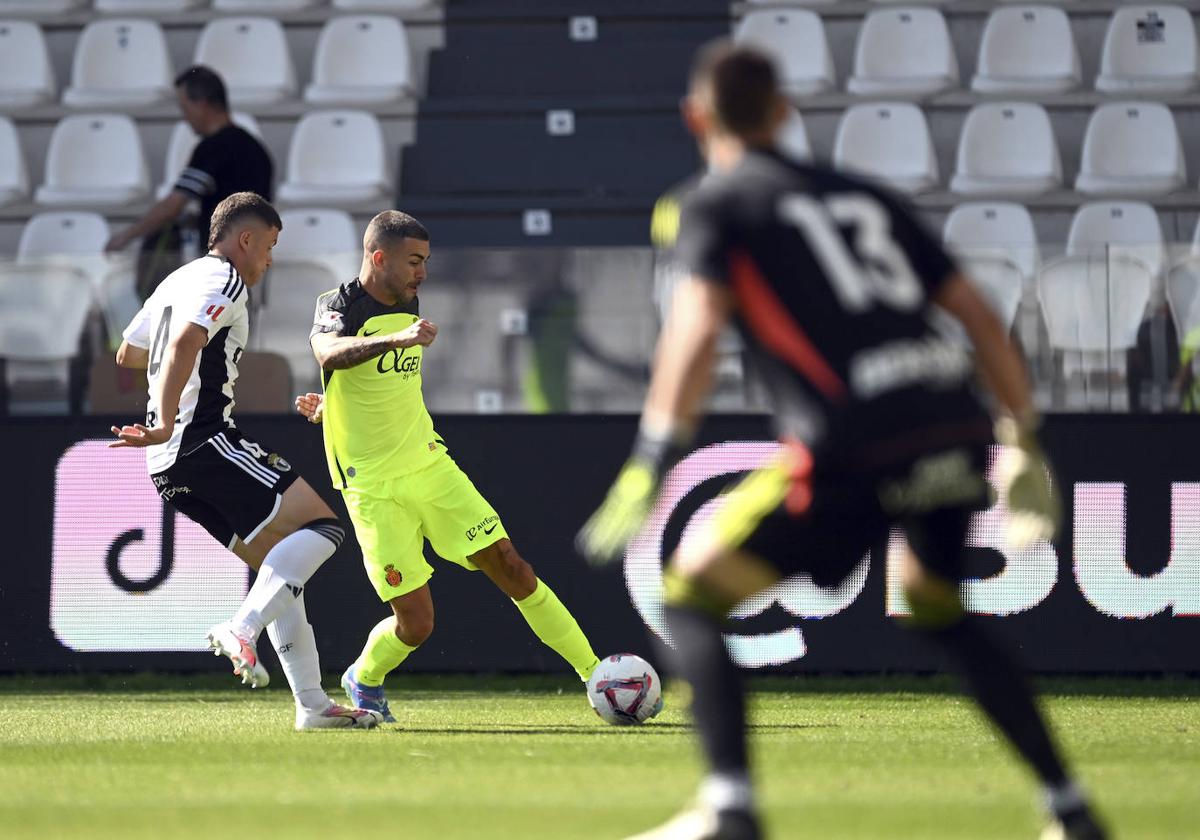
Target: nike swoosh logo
[[489, 530], [366, 334]]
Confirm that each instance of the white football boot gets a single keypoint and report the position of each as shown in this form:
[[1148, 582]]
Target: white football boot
[[225, 641], [337, 717]]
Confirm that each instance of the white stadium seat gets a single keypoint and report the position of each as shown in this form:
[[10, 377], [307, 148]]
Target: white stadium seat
[[1093, 307], [1183, 295], [383, 5], [1149, 49], [889, 142], [94, 159], [795, 38], [262, 5], [1131, 149], [994, 229], [289, 299], [1007, 149], [120, 63], [43, 309], [149, 7], [323, 235], [71, 237], [1027, 49], [1127, 228], [361, 59], [251, 55], [40, 7], [14, 175], [1095, 297], [26, 74], [336, 157], [903, 52], [183, 142], [793, 137], [312, 232], [63, 233]]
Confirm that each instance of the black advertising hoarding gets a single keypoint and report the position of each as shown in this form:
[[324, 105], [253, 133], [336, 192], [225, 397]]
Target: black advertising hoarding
[[99, 576]]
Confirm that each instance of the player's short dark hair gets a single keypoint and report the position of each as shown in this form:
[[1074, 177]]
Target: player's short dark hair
[[391, 227], [202, 84], [742, 81], [237, 208]]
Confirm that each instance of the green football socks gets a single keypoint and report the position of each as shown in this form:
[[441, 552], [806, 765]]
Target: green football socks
[[383, 653], [555, 626]]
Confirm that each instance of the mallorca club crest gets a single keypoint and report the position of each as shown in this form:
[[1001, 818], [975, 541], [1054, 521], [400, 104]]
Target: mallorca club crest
[[392, 575]]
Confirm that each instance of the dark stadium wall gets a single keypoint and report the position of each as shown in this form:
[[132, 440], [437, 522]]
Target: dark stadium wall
[[97, 578]]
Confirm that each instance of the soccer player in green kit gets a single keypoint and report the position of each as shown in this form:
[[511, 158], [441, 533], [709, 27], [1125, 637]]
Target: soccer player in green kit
[[399, 483]]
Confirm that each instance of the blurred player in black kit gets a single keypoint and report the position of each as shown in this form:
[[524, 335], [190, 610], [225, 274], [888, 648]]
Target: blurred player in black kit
[[829, 281]]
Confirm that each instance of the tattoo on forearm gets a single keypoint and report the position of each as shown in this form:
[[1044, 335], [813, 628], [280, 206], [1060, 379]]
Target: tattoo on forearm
[[347, 352]]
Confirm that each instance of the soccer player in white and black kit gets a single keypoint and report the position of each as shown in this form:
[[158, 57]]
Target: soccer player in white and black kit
[[188, 337], [829, 280]]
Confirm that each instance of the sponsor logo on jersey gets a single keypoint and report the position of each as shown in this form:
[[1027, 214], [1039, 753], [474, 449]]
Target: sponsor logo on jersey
[[277, 462], [394, 361], [215, 311], [392, 575], [330, 319], [482, 528]]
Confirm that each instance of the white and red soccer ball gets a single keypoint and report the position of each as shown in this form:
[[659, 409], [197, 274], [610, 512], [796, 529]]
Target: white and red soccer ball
[[625, 690]]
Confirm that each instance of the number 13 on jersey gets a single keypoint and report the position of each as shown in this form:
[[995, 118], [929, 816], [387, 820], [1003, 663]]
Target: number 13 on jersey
[[875, 269]]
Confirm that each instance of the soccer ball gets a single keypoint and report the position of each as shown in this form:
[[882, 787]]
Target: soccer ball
[[625, 690]]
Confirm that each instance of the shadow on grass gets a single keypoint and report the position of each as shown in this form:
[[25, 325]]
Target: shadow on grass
[[212, 687], [653, 728]]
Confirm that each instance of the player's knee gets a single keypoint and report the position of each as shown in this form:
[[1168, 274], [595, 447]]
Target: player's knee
[[934, 603], [413, 629], [502, 562], [329, 528], [690, 592]]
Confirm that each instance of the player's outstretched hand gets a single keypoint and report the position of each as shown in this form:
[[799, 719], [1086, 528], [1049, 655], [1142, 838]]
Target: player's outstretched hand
[[139, 435], [1034, 507], [605, 535], [312, 406], [422, 332], [603, 538]]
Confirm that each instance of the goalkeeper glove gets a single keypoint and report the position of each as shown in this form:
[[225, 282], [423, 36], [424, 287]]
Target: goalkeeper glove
[[1034, 508], [607, 532]]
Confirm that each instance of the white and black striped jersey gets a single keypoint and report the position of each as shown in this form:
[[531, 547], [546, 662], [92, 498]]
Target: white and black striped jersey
[[207, 292]]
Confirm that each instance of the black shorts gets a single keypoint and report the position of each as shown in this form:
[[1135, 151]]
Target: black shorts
[[823, 525], [229, 485]]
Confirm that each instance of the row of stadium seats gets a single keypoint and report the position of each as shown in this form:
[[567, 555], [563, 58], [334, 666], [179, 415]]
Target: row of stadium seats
[[1091, 299], [124, 63], [1009, 148], [1024, 50], [1130, 149], [97, 159], [51, 7]]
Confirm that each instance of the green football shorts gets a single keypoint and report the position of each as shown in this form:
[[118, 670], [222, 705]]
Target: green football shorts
[[393, 520]]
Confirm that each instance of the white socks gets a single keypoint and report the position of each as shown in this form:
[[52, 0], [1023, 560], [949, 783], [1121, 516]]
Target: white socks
[[294, 642], [727, 792], [285, 570], [1065, 799]]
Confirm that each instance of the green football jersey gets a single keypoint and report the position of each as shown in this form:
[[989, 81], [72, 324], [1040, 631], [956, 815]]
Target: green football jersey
[[376, 425]]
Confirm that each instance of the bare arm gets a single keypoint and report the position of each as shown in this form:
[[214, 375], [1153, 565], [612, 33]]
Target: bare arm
[[1000, 366], [684, 359], [179, 360], [335, 352], [162, 213], [132, 356]]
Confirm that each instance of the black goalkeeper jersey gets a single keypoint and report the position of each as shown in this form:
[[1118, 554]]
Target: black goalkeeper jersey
[[832, 280]]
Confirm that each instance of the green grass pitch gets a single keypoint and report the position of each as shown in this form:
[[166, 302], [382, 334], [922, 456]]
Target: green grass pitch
[[524, 757]]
